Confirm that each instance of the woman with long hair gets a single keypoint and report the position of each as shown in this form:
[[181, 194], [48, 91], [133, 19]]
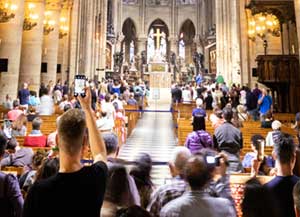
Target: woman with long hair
[[19, 126]]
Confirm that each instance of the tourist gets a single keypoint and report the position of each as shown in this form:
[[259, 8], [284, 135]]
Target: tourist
[[19, 126], [13, 114], [18, 156], [257, 200], [65, 88], [104, 123], [296, 196], [10, 194], [186, 95], [242, 113], [46, 106], [108, 108], [8, 103], [265, 104], [208, 101], [176, 94], [229, 139], [36, 127], [64, 102], [116, 87], [141, 174], [33, 99], [48, 168], [59, 189], [282, 185], [176, 187], [23, 96], [196, 201], [216, 118], [117, 193], [273, 135], [251, 104], [131, 100], [198, 116], [198, 140], [267, 121]]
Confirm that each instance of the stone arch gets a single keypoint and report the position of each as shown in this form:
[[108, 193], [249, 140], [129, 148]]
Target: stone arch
[[187, 33], [130, 35]]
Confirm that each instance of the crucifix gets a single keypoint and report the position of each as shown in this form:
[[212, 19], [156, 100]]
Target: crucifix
[[158, 34]]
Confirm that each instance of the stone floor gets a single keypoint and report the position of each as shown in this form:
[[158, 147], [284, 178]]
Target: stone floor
[[153, 135]]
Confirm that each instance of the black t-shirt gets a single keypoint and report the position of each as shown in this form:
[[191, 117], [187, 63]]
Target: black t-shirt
[[68, 194], [282, 191]]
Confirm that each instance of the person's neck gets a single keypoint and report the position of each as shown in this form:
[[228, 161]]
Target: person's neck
[[284, 170], [69, 164]]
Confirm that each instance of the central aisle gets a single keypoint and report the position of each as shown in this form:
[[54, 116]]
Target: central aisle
[[153, 135]]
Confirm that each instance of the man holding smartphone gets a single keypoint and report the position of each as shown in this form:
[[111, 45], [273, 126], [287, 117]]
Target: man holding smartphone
[[76, 190]]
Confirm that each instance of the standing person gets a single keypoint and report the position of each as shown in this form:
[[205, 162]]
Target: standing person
[[8, 103], [23, 96], [251, 104], [176, 94], [46, 106], [11, 200], [65, 88], [229, 139], [265, 104], [198, 116], [282, 185], [73, 138], [196, 202]]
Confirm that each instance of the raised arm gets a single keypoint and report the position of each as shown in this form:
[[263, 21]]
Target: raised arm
[[95, 139]]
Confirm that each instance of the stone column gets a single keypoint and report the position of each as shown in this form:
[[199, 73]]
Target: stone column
[[297, 11], [103, 39], [31, 54], [50, 44], [74, 39], [141, 44], [10, 48]]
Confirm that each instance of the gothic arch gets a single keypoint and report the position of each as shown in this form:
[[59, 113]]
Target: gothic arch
[[157, 20], [130, 36], [188, 26], [187, 33]]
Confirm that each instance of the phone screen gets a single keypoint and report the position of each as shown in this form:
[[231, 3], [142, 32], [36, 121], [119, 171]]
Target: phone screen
[[210, 160], [79, 85]]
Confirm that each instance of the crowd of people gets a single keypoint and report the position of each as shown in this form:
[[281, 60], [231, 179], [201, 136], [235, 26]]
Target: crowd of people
[[59, 184]]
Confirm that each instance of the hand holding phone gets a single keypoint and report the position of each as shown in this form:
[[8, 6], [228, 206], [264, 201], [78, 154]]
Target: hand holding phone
[[80, 84]]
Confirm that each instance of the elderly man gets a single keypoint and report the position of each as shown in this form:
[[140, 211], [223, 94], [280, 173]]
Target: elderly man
[[196, 202]]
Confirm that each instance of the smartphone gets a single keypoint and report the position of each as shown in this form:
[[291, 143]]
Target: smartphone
[[214, 161], [80, 84]]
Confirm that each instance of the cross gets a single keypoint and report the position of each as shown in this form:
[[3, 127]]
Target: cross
[[158, 35]]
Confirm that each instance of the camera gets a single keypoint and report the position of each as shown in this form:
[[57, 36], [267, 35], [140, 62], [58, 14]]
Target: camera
[[213, 160]]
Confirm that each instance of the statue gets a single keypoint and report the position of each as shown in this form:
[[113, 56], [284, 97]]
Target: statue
[[144, 57], [173, 59], [198, 59]]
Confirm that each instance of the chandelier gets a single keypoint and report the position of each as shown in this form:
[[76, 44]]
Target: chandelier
[[263, 23], [7, 11], [63, 29], [48, 23], [30, 18]]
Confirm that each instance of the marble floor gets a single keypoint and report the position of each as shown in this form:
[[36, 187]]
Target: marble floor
[[153, 135]]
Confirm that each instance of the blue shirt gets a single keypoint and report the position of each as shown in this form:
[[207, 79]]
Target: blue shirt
[[265, 105], [281, 188], [199, 112], [24, 96]]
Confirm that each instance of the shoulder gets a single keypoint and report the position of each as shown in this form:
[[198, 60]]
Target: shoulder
[[98, 168]]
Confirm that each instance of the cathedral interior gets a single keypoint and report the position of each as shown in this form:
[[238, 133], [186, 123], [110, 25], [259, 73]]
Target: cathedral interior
[[245, 41]]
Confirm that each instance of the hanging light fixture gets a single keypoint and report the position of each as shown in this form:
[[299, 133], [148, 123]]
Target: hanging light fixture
[[262, 24], [48, 23], [30, 18], [7, 11], [63, 29]]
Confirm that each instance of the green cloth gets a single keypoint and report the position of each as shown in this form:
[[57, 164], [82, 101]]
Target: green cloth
[[220, 79]]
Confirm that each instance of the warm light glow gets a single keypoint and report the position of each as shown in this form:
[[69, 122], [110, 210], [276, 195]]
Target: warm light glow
[[31, 6], [7, 11], [13, 7], [34, 16], [263, 23], [48, 13], [63, 19], [51, 22]]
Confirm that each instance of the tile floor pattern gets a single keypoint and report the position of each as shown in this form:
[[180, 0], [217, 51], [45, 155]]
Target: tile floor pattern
[[153, 135]]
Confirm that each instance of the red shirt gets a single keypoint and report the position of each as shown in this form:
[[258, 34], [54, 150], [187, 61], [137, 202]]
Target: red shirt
[[14, 114]]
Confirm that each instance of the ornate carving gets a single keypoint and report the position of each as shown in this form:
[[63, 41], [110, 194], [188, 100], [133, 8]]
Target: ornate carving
[[158, 2]]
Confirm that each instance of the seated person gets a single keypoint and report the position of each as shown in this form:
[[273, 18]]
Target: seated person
[[36, 138], [216, 118], [267, 122], [19, 126], [131, 100], [242, 113], [36, 127], [65, 102], [266, 162], [31, 113], [104, 123], [15, 112], [198, 140], [273, 135], [18, 156]]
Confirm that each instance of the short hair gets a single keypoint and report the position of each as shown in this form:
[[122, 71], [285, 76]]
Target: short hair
[[71, 130], [107, 97], [227, 114], [180, 157], [276, 125], [284, 148], [3, 143], [199, 102], [296, 194], [111, 142], [16, 103], [197, 172], [67, 107], [256, 140], [12, 144], [36, 123]]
